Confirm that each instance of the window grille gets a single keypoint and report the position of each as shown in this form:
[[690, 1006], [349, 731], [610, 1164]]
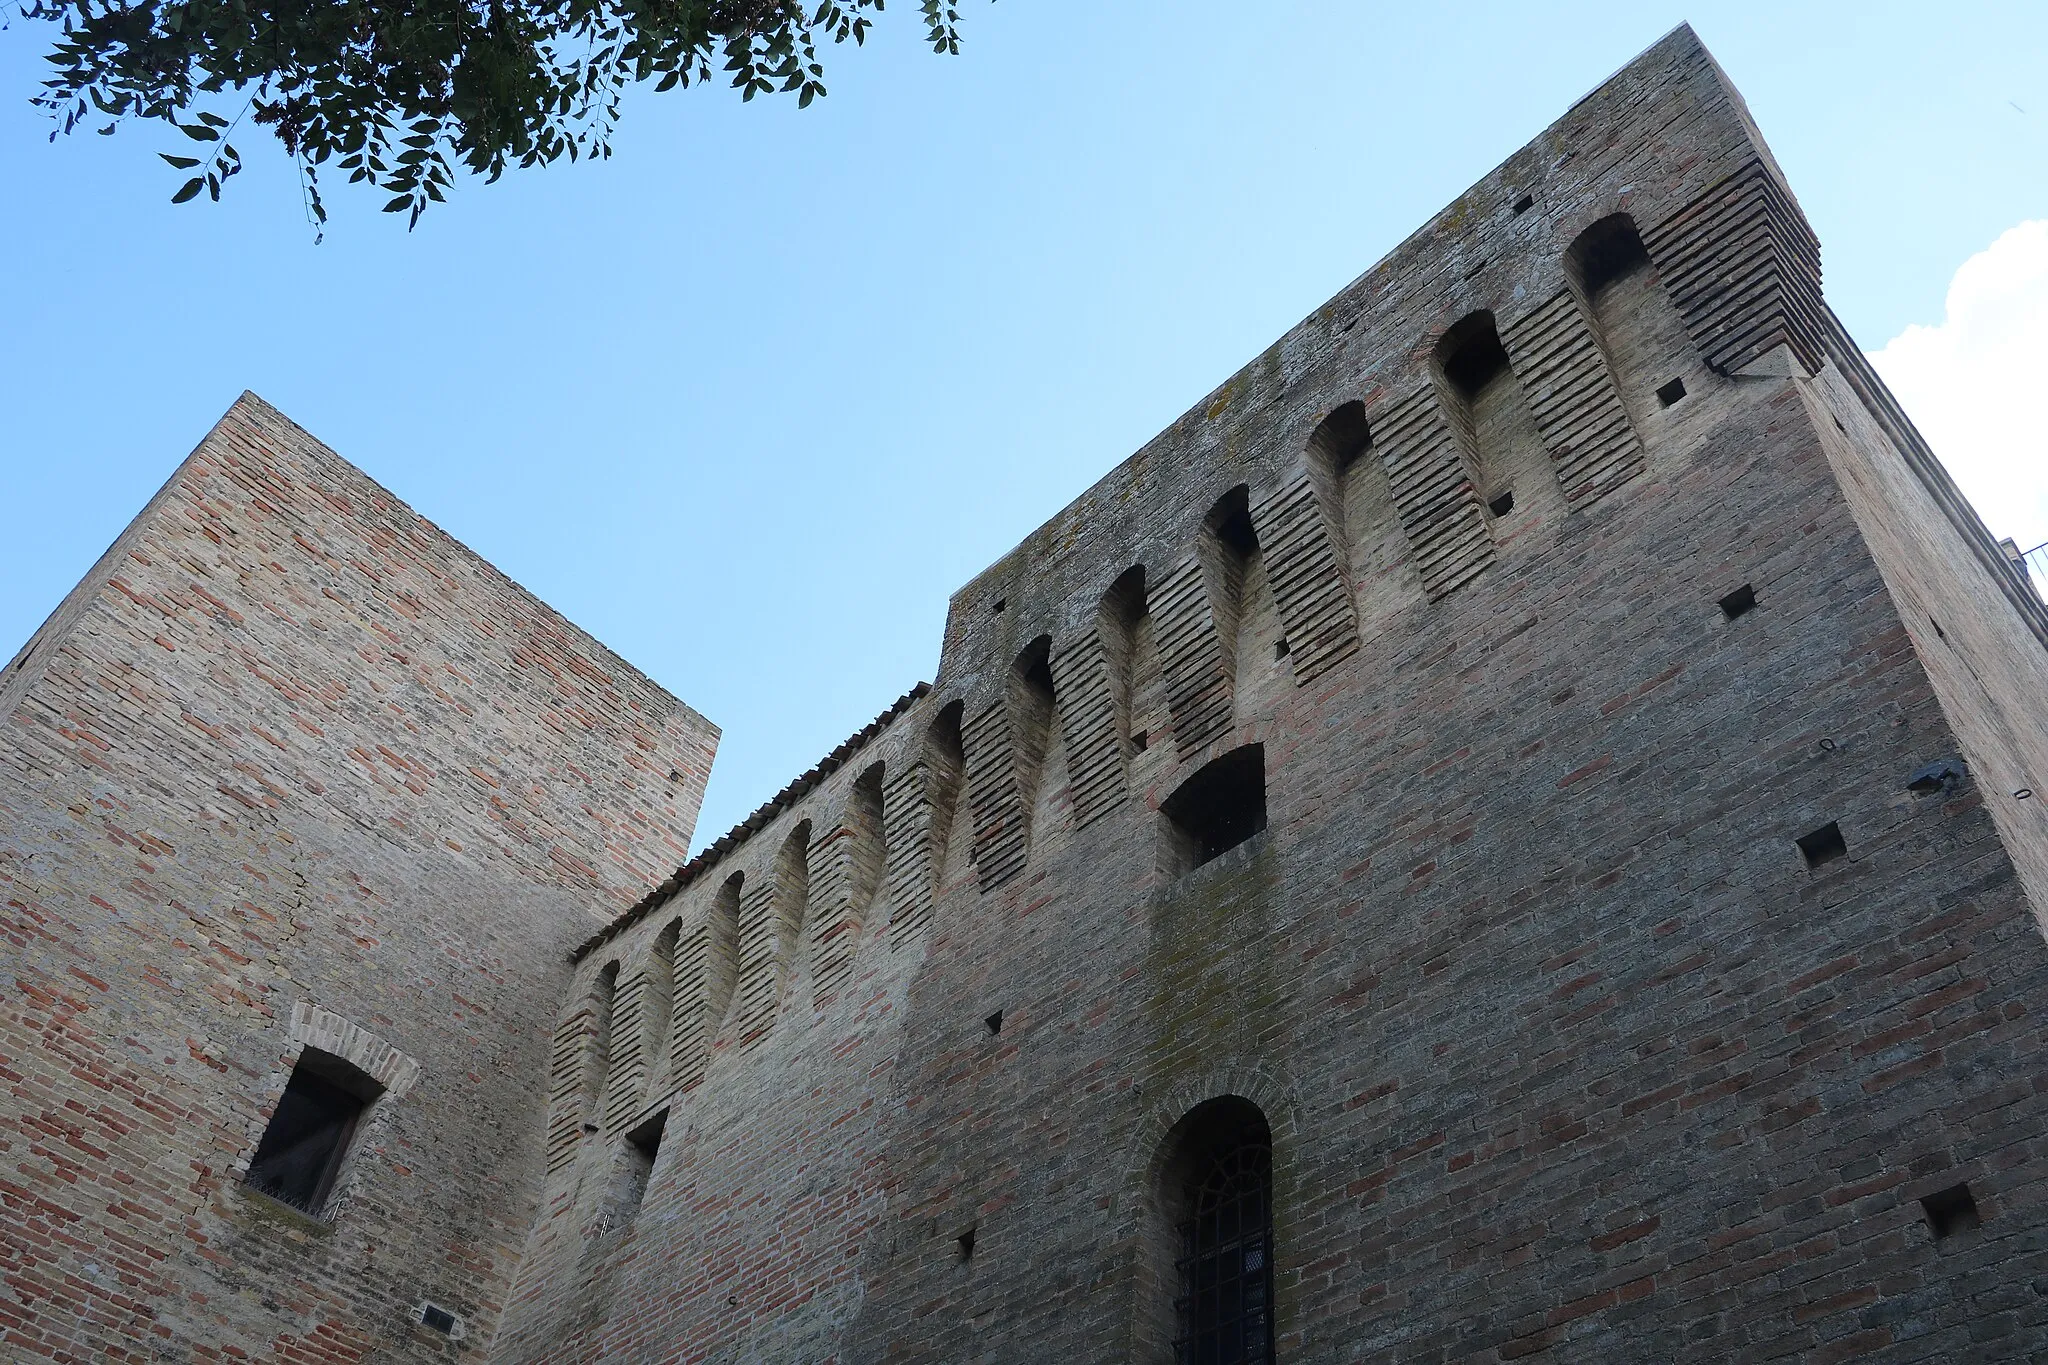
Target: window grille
[[1225, 1308]]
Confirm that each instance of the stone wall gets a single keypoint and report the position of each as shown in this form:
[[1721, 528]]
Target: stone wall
[[291, 769]]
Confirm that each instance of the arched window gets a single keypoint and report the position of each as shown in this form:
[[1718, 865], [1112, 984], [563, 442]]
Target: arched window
[[1221, 805], [1221, 1197]]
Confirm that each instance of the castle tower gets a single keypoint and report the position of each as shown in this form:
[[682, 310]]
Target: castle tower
[[1508, 832], [302, 808]]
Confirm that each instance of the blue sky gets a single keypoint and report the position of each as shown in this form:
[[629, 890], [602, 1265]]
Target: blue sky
[[751, 399]]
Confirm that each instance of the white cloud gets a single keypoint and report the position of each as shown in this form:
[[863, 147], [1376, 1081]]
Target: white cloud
[[1976, 384]]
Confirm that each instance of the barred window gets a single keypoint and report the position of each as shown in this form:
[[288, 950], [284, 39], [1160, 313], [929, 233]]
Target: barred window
[[1225, 1305]]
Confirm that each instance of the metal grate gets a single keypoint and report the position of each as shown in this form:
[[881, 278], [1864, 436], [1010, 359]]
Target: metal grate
[[1226, 1272]]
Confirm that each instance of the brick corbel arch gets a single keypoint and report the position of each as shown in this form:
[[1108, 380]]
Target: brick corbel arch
[[1251, 1081], [338, 1036]]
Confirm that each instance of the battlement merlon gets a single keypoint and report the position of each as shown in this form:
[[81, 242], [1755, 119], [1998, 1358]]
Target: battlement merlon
[[1668, 141]]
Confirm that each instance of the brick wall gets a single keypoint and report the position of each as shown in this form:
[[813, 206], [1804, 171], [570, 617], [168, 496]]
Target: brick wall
[[291, 768], [1567, 1051]]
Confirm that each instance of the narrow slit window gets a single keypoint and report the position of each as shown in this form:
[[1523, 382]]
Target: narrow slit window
[[308, 1137]]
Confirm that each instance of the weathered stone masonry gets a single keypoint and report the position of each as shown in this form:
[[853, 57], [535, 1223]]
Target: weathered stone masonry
[[1640, 955]]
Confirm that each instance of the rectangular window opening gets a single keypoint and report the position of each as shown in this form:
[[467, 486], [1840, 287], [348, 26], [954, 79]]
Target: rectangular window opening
[[441, 1320], [1823, 845], [1670, 393], [646, 1139], [1139, 741], [1739, 603], [1282, 649], [309, 1133], [994, 1023], [1951, 1211], [1219, 807], [632, 1168], [965, 1241], [1524, 204], [1503, 504]]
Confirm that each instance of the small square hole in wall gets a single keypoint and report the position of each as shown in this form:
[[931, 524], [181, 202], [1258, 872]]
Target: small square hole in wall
[[1139, 741], [1739, 603], [1668, 394], [1001, 605], [994, 1022], [1824, 845], [1524, 204], [1951, 1211], [965, 1242], [1503, 504], [1281, 650]]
